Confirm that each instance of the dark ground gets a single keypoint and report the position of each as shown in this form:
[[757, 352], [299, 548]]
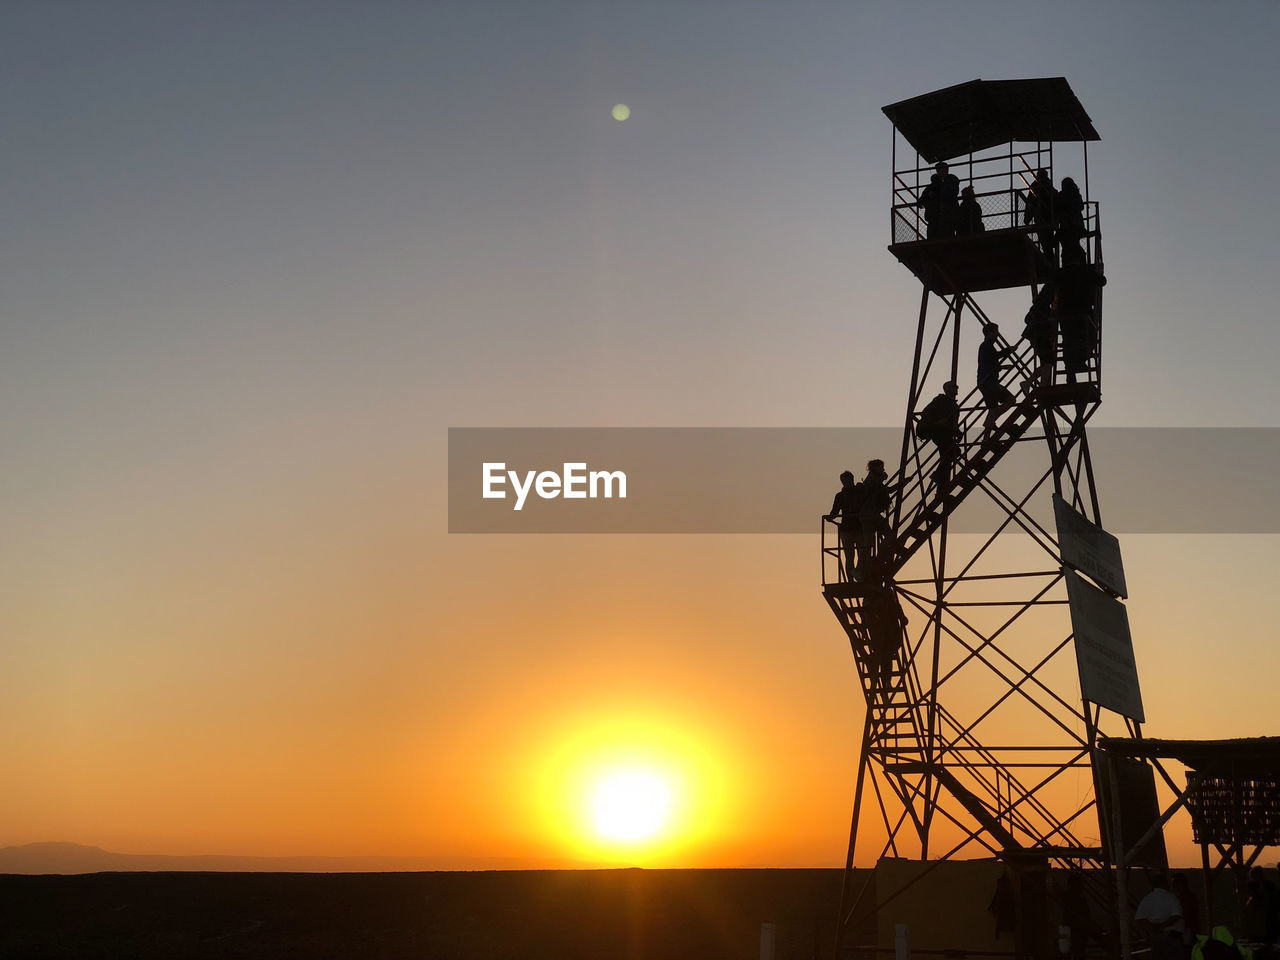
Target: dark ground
[[569, 914]]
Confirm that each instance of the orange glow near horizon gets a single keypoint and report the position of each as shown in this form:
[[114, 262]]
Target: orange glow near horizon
[[272, 730]]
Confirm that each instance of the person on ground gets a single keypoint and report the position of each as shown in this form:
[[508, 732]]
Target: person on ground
[[1159, 920], [1190, 905]]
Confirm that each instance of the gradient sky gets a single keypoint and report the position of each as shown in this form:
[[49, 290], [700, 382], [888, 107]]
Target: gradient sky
[[258, 257]]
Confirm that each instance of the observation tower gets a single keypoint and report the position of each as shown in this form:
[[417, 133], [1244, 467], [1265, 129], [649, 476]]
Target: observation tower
[[992, 663]]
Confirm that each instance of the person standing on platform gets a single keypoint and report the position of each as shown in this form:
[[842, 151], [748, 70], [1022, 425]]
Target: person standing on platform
[[1041, 211], [969, 220], [1070, 212], [847, 505], [872, 525], [940, 202]]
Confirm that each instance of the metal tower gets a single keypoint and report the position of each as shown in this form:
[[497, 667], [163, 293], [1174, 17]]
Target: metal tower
[[982, 717]]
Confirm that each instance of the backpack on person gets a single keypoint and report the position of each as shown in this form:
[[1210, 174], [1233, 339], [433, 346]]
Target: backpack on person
[[927, 430], [934, 421]]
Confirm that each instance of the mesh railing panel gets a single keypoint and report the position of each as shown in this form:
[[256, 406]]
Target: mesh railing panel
[[1229, 811], [908, 224], [1000, 211]]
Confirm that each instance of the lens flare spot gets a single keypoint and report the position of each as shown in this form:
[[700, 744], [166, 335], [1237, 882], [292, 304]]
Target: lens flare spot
[[621, 111]]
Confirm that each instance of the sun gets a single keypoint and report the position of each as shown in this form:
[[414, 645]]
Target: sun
[[630, 805], [618, 786]]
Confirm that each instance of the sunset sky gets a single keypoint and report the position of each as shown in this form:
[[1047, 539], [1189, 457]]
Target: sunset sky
[[257, 258]]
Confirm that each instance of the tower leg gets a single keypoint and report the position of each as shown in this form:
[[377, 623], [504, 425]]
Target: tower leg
[[847, 882], [913, 397]]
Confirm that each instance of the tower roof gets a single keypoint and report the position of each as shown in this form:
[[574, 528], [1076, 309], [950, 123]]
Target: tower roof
[[983, 113]]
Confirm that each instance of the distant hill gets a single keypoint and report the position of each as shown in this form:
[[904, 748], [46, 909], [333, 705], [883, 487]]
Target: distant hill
[[81, 858]]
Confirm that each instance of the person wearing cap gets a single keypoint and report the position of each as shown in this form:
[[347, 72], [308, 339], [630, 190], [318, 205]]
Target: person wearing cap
[[940, 423]]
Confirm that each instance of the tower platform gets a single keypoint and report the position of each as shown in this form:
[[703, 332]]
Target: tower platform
[[995, 260]]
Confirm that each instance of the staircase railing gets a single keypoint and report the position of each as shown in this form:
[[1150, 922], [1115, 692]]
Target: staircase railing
[[916, 489]]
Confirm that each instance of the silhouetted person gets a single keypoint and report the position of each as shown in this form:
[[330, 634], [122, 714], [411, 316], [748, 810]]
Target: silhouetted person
[[1272, 905], [1070, 213], [1075, 915], [1040, 329], [885, 620], [1190, 905], [939, 200], [847, 505], [1004, 906], [1159, 920], [1261, 921], [1218, 944], [1073, 253], [969, 215], [1041, 202], [994, 394], [940, 423], [1033, 935], [872, 524], [1078, 285]]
